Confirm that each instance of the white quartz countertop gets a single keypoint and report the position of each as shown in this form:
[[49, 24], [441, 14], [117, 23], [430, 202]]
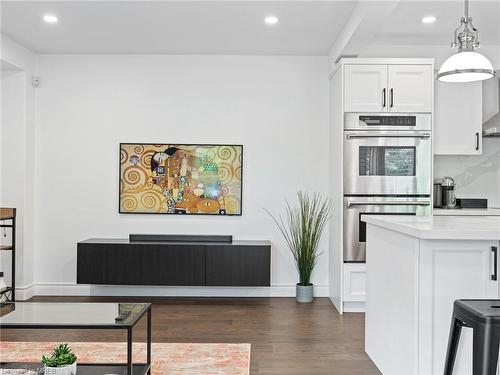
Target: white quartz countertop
[[466, 212], [440, 227]]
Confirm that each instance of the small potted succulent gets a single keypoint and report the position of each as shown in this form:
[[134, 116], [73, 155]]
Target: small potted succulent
[[61, 362]]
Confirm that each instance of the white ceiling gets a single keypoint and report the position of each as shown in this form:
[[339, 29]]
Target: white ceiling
[[181, 27], [405, 24], [227, 27]]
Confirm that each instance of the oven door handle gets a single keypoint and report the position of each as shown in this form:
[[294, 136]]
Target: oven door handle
[[388, 203], [399, 135]]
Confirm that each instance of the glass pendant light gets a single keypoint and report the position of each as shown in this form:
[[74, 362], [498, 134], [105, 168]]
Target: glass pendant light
[[466, 65]]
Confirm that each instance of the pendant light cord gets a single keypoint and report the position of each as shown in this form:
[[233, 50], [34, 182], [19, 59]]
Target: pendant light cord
[[466, 9]]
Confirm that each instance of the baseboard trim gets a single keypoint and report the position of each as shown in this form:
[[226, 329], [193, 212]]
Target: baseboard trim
[[161, 291], [358, 307], [337, 303], [25, 293]]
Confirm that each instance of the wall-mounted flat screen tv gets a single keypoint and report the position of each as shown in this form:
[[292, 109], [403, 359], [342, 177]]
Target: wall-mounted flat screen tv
[[180, 179]]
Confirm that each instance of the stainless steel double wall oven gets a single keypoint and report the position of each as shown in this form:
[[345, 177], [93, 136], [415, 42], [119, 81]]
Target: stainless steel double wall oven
[[387, 171]]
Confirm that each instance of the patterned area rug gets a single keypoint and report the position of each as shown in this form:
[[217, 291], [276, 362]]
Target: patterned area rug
[[166, 358]]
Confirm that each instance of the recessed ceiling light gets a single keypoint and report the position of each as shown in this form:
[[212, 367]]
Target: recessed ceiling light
[[271, 20], [50, 18], [429, 19]]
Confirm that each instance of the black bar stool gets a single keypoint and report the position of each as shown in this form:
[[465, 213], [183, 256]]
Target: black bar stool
[[483, 316]]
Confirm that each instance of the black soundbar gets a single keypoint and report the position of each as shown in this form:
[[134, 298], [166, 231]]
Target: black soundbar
[[179, 238]]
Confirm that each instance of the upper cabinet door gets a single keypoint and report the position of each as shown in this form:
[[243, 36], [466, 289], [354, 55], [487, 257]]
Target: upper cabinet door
[[410, 88], [366, 88], [457, 128]]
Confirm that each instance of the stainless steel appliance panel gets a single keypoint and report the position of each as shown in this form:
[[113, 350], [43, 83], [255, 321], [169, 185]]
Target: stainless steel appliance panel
[[355, 229], [387, 162], [437, 194], [387, 121]]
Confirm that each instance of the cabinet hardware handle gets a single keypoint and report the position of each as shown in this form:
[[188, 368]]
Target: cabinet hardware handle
[[495, 260], [477, 141], [383, 98], [395, 135], [389, 203], [392, 98]]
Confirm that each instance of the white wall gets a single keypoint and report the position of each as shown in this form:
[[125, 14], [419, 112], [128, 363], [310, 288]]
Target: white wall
[[13, 153], [17, 154], [277, 107]]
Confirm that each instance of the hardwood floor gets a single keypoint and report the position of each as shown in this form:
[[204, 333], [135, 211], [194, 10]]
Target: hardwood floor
[[286, 337]]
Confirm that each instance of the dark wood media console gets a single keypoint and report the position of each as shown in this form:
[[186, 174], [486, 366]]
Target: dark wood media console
[[174, 263]]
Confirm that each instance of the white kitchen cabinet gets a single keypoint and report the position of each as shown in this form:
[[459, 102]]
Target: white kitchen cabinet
[[451, 270], [361, 85], [490, 91], [410, 88], [404, 88], [366, 88], [354, 282], [409, 304], [458, 118]]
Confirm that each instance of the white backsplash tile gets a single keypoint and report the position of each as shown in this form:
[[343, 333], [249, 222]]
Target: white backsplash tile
[[475, 176]]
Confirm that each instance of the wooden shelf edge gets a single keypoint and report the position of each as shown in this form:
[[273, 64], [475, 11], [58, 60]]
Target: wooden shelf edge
[[7, 213], [5, 247]]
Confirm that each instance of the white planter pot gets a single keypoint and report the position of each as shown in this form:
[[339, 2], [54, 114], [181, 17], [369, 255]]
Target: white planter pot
[[65, 370]]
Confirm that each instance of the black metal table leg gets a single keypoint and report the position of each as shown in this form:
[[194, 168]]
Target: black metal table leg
[[129, 351], [149, 341]]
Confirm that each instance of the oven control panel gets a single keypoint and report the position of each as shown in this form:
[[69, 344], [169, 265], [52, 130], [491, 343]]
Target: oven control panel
[[388, 120]]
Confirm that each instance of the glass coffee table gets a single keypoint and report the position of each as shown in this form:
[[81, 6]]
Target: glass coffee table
[[75, 315]]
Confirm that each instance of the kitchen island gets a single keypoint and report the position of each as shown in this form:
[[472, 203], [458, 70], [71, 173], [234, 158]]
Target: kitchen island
[[415, 268]]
